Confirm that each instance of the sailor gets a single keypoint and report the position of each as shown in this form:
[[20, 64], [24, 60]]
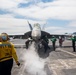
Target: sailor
[[7, 54], [53, 39], [45, 41], [28, 41], [73, 42], [60, 41]]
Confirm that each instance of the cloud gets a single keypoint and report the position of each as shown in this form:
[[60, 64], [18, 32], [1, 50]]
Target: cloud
[[72, 24], [58, 9], [53, 28], [37, 11], [59, 30], [13, 25], [7, 16], [7, 4], [11, 4]]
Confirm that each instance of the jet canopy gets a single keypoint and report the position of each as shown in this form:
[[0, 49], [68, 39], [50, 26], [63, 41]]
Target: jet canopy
[[37, 25]]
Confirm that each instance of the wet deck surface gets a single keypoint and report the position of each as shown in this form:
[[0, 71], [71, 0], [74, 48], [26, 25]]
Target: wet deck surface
[[59, 62]]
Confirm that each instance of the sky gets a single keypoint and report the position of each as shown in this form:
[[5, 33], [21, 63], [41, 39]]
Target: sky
[[54, 16]]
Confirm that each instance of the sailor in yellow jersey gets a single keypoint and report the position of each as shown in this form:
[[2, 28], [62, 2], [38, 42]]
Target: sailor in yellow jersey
[[7, 54]]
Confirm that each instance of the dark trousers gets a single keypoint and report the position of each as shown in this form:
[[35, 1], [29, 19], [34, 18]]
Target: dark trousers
[[27, 43], [45, 44], [6, 67], [73, 44], [60, 44], [53, 46]]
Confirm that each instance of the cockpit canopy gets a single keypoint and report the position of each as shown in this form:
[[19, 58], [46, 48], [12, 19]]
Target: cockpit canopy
[[37, 25]]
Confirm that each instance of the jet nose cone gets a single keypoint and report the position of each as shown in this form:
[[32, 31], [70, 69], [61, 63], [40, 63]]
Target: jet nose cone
[[36, 35]]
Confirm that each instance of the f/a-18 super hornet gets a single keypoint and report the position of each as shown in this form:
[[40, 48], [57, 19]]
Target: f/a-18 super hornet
[[39, 37]]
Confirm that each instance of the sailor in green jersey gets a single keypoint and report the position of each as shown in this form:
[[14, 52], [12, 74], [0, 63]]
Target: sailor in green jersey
[[53, 39], [73, 42]]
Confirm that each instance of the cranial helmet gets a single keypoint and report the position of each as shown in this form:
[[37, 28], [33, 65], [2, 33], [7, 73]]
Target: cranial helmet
[[4, 36], [73, 35], [53, 36]]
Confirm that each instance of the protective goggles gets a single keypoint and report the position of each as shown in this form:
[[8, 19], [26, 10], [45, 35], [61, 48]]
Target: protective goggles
[[4, 38]]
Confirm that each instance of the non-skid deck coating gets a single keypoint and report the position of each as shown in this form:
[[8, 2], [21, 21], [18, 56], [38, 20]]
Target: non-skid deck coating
[[59, 62]]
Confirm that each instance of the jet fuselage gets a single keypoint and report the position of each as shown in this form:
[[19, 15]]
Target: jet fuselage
[[36, 32]]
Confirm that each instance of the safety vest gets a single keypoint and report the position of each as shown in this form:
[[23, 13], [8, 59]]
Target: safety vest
[[53, 39], [73, 39], [7, 51]]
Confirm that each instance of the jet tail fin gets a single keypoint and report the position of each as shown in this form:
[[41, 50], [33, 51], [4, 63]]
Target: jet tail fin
[[30, 25], [43, 28]]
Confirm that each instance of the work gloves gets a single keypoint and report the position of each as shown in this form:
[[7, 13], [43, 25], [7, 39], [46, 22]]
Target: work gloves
[[18, 63]]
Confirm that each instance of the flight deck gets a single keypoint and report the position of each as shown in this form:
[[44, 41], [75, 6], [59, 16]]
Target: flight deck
[[59, 62]]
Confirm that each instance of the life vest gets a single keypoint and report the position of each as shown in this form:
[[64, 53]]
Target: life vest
[[6, 51]]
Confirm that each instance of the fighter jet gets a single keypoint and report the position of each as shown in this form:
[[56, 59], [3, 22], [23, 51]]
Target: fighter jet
[[36, 32], [37, 35]]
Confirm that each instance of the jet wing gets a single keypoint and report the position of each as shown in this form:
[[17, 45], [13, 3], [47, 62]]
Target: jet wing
[[43, 33]]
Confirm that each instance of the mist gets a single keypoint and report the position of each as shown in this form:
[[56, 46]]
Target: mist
[[33, 64]]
